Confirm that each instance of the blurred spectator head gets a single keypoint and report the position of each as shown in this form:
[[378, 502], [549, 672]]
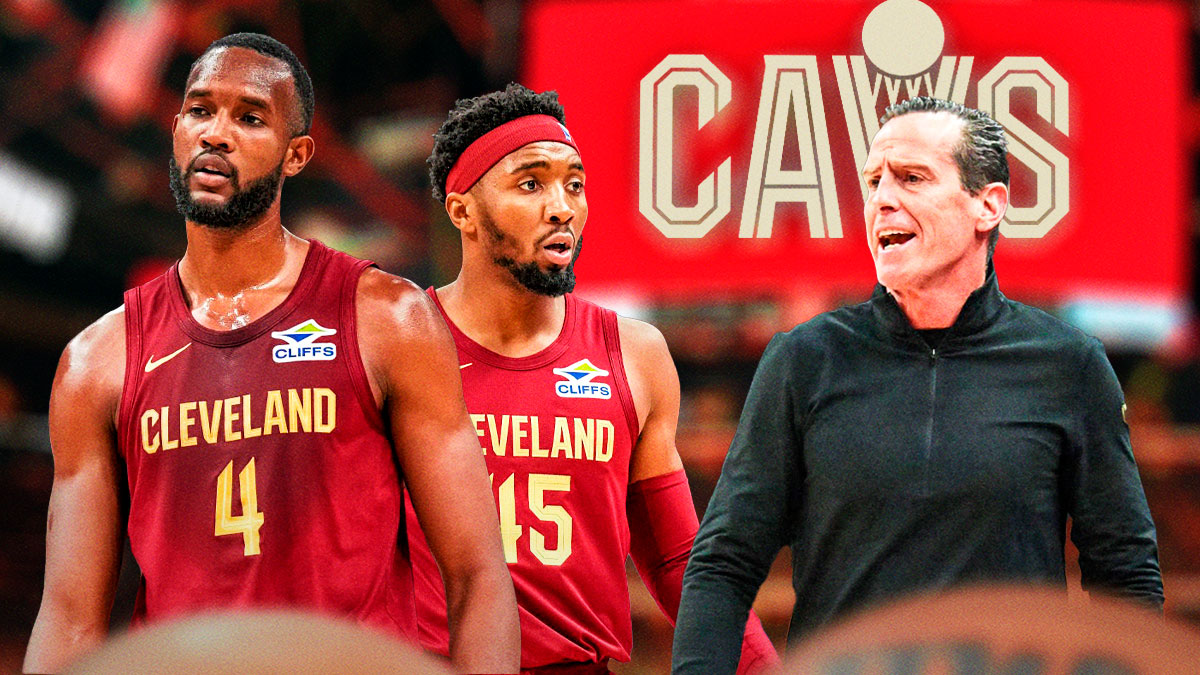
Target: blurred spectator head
[[1000, 629], [257, 642]]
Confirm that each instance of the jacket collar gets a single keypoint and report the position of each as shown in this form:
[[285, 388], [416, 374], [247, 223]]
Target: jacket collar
[[980, 310]]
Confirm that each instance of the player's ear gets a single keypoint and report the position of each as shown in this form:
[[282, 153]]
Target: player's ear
[[993, 202], [461, 209], [300, 151]]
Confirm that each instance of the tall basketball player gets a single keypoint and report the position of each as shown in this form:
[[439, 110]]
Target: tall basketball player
[[264, 398], [575, 408]]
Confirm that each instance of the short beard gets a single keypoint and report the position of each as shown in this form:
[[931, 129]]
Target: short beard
[[243, 207], [530, 275]]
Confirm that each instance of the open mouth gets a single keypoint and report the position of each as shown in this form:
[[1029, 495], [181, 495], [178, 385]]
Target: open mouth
[[559, 248], [212, 167], [890, 238]]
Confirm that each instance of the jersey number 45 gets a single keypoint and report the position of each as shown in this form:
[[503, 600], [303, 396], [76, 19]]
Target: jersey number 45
[[510, 531]]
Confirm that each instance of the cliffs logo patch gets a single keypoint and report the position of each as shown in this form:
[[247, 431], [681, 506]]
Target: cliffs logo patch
[[300, 343], [578, 382]]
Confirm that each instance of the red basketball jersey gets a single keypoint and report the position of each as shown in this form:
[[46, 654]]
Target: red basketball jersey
[[556, 429], [259, 471]]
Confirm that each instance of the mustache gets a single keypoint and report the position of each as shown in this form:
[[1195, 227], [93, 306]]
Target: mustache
[[191, 167]]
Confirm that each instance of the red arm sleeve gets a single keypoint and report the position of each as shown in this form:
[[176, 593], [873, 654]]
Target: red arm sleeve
[[662, 525]]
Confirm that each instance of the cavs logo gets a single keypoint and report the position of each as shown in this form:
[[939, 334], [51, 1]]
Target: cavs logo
[[578, 382], [301, 343], [895, 65]]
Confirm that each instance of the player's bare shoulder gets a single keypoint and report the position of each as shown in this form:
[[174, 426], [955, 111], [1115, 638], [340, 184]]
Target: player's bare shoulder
[[643, 346], [653, 379], [396, 321], [91, 370]]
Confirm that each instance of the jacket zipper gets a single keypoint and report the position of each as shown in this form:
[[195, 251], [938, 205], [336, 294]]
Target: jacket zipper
[[928, 453]]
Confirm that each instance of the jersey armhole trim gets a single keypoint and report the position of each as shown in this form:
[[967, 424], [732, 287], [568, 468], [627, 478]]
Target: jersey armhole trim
[[354, 361], [133, 374], [612, 341]]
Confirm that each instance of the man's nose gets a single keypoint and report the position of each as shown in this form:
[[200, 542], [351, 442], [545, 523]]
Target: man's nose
[[558, 206], [216, 134], [884, 196]]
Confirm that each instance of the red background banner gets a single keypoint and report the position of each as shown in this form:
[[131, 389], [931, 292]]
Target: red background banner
[[1122, 63]]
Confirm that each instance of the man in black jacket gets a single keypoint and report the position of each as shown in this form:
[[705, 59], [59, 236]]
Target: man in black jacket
[[936, 435]]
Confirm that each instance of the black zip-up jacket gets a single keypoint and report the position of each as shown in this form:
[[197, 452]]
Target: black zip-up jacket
[[890, 467]]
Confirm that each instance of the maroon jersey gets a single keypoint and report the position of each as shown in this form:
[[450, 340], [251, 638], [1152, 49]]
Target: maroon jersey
[[260, 474], [556, 429]]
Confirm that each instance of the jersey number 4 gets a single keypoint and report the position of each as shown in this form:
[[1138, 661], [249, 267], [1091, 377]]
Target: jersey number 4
[[510, 531], [251, 519]]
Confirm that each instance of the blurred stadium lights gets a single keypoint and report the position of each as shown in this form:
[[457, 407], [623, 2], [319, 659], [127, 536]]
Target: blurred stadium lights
[[126, 55], [1133, 324], [35, 211]]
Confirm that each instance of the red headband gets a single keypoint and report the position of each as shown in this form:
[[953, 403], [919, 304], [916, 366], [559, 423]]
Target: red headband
[[495, 144]]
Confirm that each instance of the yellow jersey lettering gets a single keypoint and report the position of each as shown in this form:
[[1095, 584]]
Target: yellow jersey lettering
[[233, 419], [604, 440], [518, 433], [476, 421], [499, 437], [167, 442], [325, 410], [149, 443], [248, 428], [562, 438], [186, 421], [209, 425], [274, 421], [300, 410], [585, 438], [231, 416], [535, 438]]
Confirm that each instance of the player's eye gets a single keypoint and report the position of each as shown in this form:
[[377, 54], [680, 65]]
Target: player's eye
[[912, 178], [528, 185], [197, 111], [253, 119], [575, 186]]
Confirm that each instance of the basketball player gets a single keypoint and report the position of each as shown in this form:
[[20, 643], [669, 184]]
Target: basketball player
[[249, 395], [575, 407]]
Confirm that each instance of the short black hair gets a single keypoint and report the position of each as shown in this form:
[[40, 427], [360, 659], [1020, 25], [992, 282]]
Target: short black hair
[[473, 117], [269, 46], [981, 155]]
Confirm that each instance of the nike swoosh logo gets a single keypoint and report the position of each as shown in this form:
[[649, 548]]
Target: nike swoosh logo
[[152, 364], [466, 364]]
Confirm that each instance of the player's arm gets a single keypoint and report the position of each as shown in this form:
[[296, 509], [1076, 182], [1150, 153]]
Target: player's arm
[[662, 517], [413, 368], [84, 527], [1111, 523]]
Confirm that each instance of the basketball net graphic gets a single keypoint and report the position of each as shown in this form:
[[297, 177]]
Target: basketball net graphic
[[903, 42]]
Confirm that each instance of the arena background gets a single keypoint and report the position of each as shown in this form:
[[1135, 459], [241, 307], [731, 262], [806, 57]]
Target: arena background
[[88, 89]]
